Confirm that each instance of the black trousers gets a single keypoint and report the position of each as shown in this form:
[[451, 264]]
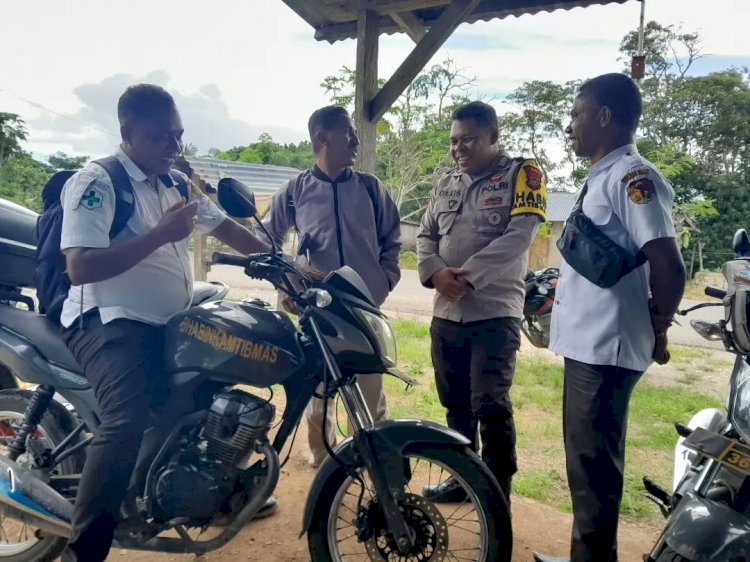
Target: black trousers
[[595, 419], [122, 362], [474, 364]]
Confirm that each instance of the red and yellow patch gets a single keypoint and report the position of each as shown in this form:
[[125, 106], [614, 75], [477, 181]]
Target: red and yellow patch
[[530, 197], [641, 191], [534, 177]]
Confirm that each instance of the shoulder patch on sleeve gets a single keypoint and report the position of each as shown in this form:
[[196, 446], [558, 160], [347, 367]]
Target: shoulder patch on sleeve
[[530, 191], [641, 191], [89, 195], [636, 172]]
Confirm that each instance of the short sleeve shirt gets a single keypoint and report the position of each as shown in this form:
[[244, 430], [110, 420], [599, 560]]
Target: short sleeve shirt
[[156, 288], [631, 202]]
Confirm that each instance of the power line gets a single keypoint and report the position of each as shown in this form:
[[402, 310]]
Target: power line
[[68, 117]]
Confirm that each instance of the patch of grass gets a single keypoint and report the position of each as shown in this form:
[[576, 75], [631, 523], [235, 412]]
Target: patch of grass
[[407, 260], [689, 378], [695, 287], [537, 398]]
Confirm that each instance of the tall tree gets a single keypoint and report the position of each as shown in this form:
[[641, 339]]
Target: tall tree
[[62, 161], [12, 134]]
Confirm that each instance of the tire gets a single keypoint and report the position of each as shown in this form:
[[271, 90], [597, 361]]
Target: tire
[[56, 424], [484, 496], [669, 555]]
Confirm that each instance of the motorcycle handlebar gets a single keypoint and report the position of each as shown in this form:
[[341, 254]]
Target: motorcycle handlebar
[[229, 259], [715, 293]]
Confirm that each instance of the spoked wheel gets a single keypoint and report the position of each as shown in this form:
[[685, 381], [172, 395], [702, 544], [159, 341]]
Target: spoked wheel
[[477, 528], [20, 541]]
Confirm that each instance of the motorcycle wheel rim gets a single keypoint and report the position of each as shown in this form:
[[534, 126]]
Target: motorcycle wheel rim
[[9, 421], [455, 515]]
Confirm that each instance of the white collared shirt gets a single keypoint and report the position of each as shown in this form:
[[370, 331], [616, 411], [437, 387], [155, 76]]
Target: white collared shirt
[[160, 285], [631, 202]]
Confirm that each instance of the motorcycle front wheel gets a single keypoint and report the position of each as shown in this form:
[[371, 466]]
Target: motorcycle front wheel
[[475, 527]]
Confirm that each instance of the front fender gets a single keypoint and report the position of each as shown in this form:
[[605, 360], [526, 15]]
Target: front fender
[[398, 434], [703, 530]]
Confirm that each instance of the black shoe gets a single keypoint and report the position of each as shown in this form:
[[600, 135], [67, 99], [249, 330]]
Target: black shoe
[[449, 491], [544, 558]]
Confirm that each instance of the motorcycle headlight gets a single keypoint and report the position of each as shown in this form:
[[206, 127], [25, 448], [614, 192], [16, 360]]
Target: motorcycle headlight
[[739, 410], [381, 331]]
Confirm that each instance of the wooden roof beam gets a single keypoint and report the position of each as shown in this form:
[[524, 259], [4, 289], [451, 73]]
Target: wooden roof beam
[[440, 31], [410, 24]]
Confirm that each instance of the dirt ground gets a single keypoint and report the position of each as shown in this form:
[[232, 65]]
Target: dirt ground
[[275, 539]]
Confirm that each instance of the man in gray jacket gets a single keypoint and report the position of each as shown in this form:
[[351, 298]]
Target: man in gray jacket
[[347, 218]]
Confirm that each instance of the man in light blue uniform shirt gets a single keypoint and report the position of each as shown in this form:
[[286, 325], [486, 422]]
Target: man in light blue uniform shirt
[[610, 336]]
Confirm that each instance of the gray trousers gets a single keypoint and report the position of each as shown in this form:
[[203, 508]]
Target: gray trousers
[[595, 419], [372, 391]]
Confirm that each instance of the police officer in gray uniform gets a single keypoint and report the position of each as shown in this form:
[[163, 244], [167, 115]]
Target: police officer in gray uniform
[[609, 336], [472, 248], [346, 218]]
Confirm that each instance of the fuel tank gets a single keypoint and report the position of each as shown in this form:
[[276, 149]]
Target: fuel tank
[[238, 342]]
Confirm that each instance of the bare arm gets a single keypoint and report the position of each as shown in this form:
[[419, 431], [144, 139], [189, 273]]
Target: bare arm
[[240, 238], [667, 275], [667, 282], [89, 265]]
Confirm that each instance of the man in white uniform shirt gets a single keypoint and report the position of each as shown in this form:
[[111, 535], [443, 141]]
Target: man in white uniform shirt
[[122, 293], [609, 336]]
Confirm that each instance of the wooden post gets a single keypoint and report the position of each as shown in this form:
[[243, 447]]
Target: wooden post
[[366, 88], [200, 267], [692, 263], [700, 256]]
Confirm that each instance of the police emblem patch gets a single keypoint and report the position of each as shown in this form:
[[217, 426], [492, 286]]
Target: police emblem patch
[[494, 218], [641, 191], [497, 177], [533, 177]]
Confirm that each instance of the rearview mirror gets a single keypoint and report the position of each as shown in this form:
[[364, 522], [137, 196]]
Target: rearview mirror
[[236, 198], [741, 243]]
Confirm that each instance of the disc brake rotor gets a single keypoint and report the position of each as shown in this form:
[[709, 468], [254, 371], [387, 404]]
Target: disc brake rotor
[[427, 524]]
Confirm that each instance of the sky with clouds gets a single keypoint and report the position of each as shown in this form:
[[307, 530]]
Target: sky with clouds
[[238, 68]]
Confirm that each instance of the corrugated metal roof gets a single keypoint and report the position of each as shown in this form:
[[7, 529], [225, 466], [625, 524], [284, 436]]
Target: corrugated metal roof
[[263, 179], [335, 21], [559, 205], [266, 180]]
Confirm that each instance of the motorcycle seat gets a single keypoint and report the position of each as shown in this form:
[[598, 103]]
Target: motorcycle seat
[[41, 333], [204, 291]]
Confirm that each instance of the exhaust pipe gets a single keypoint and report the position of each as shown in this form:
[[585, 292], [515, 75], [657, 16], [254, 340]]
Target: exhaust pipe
[[26, 498]]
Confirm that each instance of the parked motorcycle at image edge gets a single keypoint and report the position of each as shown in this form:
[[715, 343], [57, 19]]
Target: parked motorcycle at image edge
[[708, 510], [537, 309], [207, 464]]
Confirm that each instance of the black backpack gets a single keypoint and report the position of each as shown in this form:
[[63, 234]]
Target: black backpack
[[52, 283]]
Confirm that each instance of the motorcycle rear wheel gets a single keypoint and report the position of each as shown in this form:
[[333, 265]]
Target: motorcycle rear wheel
[[30, 545], [478, 529]]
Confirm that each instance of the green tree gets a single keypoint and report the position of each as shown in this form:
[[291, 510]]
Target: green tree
[[12, 134], [22, 179], [62, 161], [537, 128]]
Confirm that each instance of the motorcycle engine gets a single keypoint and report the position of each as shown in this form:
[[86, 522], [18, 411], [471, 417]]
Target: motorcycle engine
[[198, 481]]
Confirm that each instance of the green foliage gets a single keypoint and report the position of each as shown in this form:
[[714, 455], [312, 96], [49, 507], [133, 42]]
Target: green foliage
[[12, 134], [61, 161], [22, 179], [538, 124], [407, 260], [267, 151]]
